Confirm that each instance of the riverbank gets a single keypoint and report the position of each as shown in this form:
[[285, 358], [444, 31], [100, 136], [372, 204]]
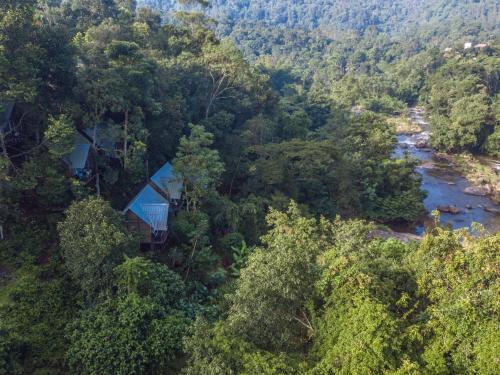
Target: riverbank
[[460, 202], [483, 177]]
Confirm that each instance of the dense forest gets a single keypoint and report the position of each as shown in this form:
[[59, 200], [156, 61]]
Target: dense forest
[[194, 188], [381, 55], [433, 19]]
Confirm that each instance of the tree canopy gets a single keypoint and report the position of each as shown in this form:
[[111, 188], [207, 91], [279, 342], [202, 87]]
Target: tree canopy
[[277, 119]]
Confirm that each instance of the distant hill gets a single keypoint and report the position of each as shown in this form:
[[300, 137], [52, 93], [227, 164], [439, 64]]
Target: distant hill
[[435, 20]]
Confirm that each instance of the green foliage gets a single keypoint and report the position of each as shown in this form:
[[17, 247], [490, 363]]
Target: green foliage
[[9, 354], [19, 68], [271, 296], [7, 191], [41, 180], [93, 241], [191, 228], [461, 131], [457, 274], [292, 113], [374, 306], [230, 241], [215, 351], [198, 165], [362, 339], [340, 17], [240, 258], [127, 335], [59, 136], [295, 125], [33, 321], [148, 279], [460, 95], [137, 332], [492, 145]]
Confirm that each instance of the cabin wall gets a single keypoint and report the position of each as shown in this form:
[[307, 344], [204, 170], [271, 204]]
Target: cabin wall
[[135, 224]]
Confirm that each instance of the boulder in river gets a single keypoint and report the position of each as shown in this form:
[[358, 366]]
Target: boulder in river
[[428, 164], [449, 209], [477, 190], [492, 210], [421, 143]]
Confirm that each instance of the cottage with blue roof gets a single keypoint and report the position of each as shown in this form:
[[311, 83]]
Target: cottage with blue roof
[[147, 215], [168, 183]]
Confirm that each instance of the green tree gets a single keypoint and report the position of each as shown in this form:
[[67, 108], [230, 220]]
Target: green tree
[[19, 74], [148, 279], [137, 332], [227, 72], [457, 275], [126, 335], [362, 339], [492, 145], [93, 241], [198, 165], [367, 296], [42, 181], [33, 320], [296, 125], [60, 136], [462, 130], [270, 304]]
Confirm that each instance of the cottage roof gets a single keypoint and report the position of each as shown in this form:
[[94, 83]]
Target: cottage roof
[[78, 157], [104, 137], [5, 113], [151, 208], [168, 182]]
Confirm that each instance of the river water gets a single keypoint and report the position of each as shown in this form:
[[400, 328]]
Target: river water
[[444, 186]]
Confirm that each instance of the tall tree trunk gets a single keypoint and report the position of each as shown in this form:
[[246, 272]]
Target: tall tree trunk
[[94, 151], [125, 140], [234, 176], [207, 112], [2, 144], [186, 196]]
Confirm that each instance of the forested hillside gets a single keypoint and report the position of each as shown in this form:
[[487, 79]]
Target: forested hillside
[[176, 202], [433, 19], [381, 56]]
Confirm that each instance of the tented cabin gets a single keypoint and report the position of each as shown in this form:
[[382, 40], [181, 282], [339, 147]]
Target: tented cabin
[[105, 140], [170, 185], [79, 160], [5, 115], [147, 215]]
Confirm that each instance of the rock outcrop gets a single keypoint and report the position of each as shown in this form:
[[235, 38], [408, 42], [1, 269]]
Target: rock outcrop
[[478, 190], [449, 209]]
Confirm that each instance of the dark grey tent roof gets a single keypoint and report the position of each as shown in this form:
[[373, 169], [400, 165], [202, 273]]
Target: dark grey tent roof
[[5, 113], [78, 157], [105, 139]]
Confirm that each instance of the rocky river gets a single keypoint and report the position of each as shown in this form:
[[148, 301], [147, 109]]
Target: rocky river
[[446, 189]]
